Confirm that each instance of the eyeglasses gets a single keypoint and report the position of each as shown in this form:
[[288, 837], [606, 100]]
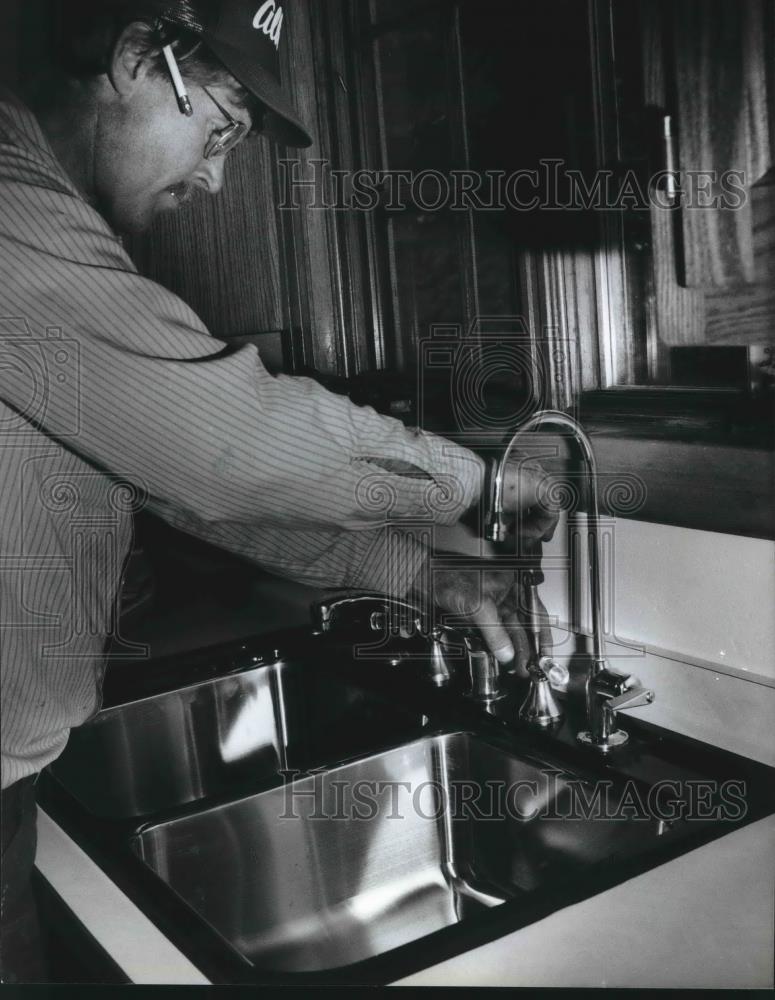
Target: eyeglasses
[[223, 140]]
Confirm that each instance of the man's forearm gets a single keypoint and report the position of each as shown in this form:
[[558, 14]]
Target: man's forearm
[[387, 559]]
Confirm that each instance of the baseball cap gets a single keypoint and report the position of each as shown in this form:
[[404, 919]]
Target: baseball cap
[[247, 35]]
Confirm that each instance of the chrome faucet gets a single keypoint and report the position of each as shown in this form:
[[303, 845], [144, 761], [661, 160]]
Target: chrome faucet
[[385, 613], [540, 706], [607, 692], [326, 614]]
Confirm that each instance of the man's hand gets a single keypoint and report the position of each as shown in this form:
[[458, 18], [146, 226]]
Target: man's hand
[[489, 600], [525, 492]]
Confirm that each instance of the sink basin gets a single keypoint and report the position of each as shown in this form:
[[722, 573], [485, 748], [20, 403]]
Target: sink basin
[[338, 867], [210, 738]]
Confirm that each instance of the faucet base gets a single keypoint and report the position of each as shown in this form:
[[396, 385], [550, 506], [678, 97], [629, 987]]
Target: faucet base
[[540, 707], [616, 739]]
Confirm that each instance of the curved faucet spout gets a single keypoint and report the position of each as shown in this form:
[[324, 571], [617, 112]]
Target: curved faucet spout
[[606, 691], [496, 527]]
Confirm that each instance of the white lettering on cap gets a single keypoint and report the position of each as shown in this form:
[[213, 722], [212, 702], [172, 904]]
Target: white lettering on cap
[[269, 19]]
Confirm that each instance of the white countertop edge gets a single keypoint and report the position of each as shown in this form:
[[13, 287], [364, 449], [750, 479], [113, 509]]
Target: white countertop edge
[[721, 893], [135, 944], [705, 920]]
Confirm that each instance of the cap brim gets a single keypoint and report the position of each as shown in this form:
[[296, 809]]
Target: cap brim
[[283, 124]]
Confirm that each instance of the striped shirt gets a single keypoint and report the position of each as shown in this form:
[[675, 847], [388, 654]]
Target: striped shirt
[[114, 397]]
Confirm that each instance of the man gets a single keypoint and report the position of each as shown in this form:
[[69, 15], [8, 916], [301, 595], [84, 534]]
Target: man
[[113, 396]]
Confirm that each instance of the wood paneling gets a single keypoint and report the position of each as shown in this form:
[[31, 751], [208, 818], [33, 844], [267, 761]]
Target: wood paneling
[[331, 283], [742, 310], [746, 314], [339, 123], [313, 303], [769, 63], [420, 99], [680, 312], [720, 96], [756, 22]]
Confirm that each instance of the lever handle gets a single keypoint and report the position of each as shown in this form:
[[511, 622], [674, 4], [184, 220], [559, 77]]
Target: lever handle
[[634, 698], [325, 613], [496, 528]]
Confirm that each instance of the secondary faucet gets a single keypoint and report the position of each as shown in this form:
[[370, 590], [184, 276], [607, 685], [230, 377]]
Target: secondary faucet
[[386, 614], [607, 692]]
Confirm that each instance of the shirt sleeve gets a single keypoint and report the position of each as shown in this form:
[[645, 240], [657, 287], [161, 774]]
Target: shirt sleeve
[[122, 372], [388, 559]]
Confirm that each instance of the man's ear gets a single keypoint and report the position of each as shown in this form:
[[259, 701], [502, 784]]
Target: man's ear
[[131, 61]]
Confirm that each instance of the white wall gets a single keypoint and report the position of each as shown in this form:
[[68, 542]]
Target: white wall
[[703, 606], [698, 593]]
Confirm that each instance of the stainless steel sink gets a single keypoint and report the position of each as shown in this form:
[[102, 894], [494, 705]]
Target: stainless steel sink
[[344, 865], [211, 738]]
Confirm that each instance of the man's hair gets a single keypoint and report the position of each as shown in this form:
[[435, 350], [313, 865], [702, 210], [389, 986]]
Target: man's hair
[[86, 33]]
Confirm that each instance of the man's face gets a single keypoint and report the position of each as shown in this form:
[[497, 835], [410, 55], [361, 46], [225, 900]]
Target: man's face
[[149, 157]]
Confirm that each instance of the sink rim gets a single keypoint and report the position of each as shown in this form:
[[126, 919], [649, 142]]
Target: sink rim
[[183, 717]]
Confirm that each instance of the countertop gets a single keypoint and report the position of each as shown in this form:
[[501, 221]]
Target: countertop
[[704, 920]]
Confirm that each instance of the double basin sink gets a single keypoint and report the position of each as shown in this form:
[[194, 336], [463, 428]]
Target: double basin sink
[[308, 815]]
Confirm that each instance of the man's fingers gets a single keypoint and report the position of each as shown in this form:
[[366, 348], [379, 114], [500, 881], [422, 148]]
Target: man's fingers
[[518, 638], [525, 496], [494, 633], [546, 640], [476, 599], [525, 485]]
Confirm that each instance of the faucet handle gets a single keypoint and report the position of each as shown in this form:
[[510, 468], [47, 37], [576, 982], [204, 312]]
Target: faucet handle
[[329, 613], [485, 673], [635, 697], [444, 639], [496, 528], [610, 693]]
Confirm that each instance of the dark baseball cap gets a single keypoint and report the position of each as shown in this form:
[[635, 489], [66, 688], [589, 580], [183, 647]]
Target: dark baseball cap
[[246, 35]]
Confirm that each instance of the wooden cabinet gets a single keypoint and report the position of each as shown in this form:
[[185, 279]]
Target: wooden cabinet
[[717, 89], [710, 65]]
